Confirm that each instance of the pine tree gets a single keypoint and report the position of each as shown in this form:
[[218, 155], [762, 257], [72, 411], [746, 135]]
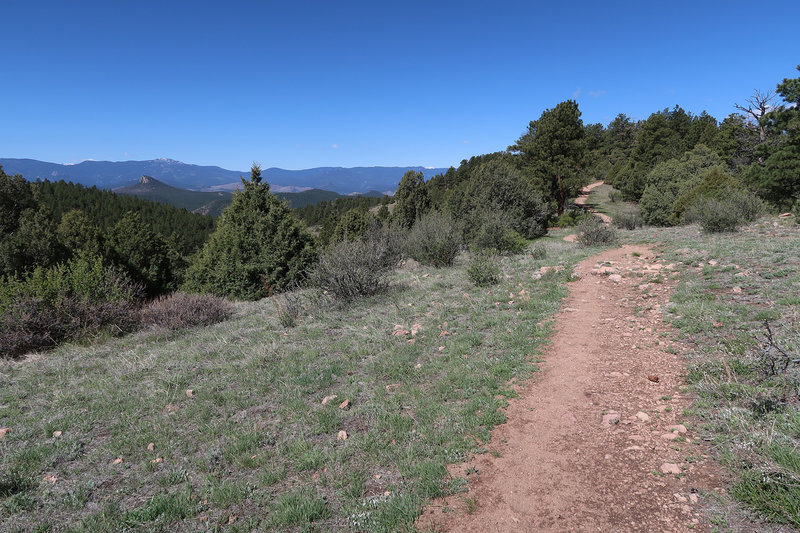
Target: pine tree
[[259, 247], [555, 147], [412, 199]]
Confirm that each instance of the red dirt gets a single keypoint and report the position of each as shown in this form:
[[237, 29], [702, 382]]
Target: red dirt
[[562, 462]]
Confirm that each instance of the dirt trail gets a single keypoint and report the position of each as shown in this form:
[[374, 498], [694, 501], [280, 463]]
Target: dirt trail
[[592, 443], [581, 200]]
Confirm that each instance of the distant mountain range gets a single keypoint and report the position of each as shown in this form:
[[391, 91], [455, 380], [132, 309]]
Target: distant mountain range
[[115, 174], [212, 203]]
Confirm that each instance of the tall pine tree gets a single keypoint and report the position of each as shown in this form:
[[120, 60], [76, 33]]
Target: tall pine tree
[[554, 146]]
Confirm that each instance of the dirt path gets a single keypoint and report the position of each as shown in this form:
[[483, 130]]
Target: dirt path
[[581, 200], [592, 444]]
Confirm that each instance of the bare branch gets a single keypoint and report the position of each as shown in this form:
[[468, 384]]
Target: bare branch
[[757, 107]]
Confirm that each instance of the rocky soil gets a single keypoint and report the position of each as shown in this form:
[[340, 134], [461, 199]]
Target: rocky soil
[[596, 442]]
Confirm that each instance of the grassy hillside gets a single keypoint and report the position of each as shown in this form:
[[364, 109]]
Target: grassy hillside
[[225, 428], [252, 445]]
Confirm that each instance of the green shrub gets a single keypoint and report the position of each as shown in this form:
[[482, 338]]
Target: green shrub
[[143, 254], [180, 310], [483, 269], [348, 270], [494, 235], [615, 196], [353, 225], [726, 212], [498, 190], [593, 232], [435, 240], [69, 301], [629, 219], [572, 217], [539, 251]]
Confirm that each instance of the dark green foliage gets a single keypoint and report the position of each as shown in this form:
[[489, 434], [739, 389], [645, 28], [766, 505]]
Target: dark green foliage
[[671, 179], [78, 234], [15, 481], [725, 211], [554, 147], [663, 136], [317, 213], [32, 243], [142, 253], [180, 310], [494, 235], [715, 184], [571, 217], [354, 225], [349, 270], [593, 232], [435, 240], [383, 213], [259, 247], [483, 269], [72, 300], [16, 195], [619, 142], [497, 190], [778, 178], [412, 199], [736, 142], [105, 209], [51, 222]]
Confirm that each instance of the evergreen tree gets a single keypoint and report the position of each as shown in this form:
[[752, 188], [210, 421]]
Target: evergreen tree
[[778, 178], [411, 200], [353, 225], [16, 195], [142, 253], [32, 244], [77, 234], [554, 146], [498, 192], [259, 247], [736, 142], [673, 178]]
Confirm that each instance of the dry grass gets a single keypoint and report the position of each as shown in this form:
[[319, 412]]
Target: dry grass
[[235, 417]]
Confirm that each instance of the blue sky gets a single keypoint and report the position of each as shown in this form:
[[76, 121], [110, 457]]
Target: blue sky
[[326, 83]]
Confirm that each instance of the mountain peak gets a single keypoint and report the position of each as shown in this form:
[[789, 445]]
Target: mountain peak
[[144, 180]]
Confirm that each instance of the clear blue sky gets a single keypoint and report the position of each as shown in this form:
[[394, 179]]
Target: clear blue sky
[[324, 83]]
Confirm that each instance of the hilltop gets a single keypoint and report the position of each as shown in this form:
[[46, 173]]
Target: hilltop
[[213, 203]]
